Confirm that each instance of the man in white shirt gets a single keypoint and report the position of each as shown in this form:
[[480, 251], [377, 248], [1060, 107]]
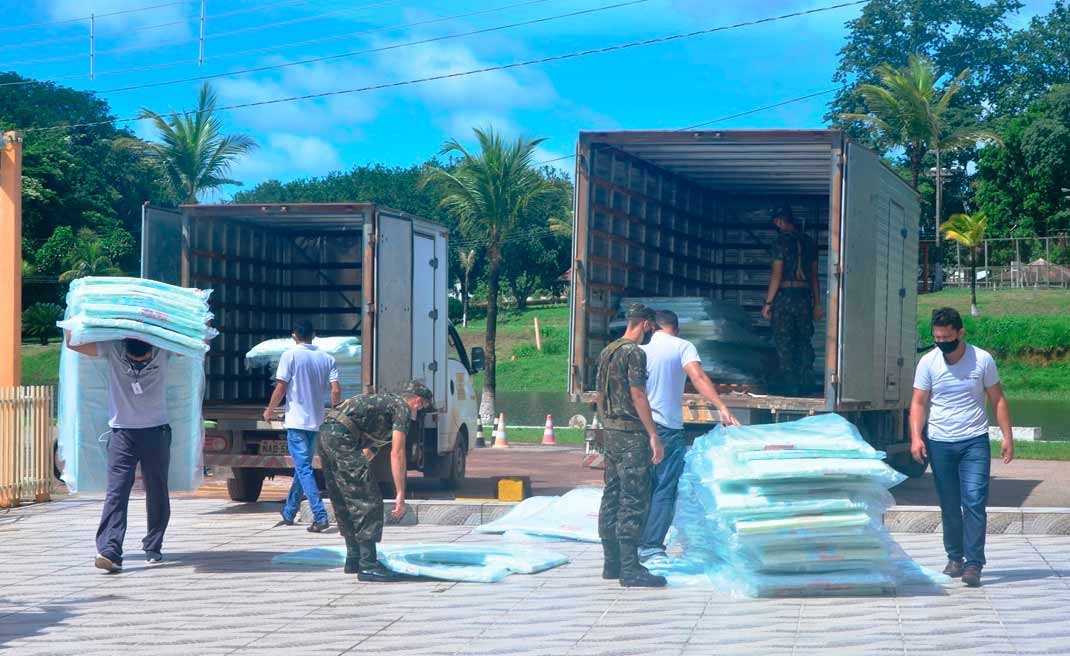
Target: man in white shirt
[[140, 434], [303, 378], [950, 386], [669, 362]]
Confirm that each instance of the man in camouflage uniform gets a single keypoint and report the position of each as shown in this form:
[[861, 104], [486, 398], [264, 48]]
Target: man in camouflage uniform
[[632, 448], [351, 435], [793, 303]]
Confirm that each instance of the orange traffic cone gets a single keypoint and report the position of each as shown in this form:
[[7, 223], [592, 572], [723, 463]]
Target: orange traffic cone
[[548, 432], [501, 440]]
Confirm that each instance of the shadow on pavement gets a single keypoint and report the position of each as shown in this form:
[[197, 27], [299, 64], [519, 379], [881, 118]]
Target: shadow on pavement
[[993, 576], [28, 619], [1002, 492]]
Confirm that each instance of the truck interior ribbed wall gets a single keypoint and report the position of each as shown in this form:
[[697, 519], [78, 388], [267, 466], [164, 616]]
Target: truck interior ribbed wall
[[684, 218], [266, 272]]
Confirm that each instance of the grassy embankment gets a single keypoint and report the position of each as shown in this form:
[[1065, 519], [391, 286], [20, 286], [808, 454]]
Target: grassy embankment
[[1027, 331]]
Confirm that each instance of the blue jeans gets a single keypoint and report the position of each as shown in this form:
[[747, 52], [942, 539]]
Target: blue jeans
[[663, 491], [961, 471], [302, 445]]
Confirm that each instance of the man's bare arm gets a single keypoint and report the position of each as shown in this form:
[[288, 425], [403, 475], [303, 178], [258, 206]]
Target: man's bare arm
[[89, 349], [398, 468], [276, 399], [336, 393], [1003, 418], [708, 390], [919, 412]]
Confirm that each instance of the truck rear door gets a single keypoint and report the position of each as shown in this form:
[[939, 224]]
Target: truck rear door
[[163, 240], [392, 301], [879, 251]]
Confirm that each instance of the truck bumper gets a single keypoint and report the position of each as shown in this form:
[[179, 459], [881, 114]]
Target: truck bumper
[[255, 462]]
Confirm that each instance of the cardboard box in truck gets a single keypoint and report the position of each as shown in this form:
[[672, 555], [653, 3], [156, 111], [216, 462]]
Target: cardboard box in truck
[[672, 214], [352, 270]]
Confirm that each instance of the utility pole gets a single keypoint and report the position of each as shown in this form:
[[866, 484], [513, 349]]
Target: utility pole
[[11, 259], [938, 282], [200, 49]]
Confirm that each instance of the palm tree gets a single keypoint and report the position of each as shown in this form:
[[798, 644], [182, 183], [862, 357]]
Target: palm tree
[[193, 152], [968, 230], [486, 193], [87, 258], [468, 262], [39, 320], [911, 112]]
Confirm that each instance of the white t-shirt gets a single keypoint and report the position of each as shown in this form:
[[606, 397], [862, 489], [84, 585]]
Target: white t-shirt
[[308, 373], [137, 392], [956, 393], [666, 357]]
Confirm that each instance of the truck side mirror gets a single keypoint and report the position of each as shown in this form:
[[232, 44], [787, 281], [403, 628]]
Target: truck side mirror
[[479, 361]]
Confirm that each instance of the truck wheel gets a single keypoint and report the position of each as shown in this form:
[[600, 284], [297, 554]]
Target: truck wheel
[[245, 485], [457, 465], [905, 464]]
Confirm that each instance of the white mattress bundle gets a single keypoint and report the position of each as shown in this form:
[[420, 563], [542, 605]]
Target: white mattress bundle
[[346, 352], [791, 509], [168, 317]]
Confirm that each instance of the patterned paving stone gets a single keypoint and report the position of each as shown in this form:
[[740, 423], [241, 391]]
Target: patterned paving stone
[[217, 593]]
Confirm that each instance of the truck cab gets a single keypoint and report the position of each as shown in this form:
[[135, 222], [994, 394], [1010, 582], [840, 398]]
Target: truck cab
[[355, 269]]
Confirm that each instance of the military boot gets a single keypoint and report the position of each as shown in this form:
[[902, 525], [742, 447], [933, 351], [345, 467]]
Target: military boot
[[611, 563], [634, 575]]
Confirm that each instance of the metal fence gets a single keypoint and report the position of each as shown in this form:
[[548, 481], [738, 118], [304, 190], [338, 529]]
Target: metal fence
[[26, 432], [1002, 263]]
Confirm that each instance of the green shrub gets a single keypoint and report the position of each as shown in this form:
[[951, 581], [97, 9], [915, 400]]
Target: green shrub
[[39, 320], [1013, 336]]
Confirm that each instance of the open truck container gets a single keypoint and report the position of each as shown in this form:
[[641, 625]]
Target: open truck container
[[351, 269], [688, 214]]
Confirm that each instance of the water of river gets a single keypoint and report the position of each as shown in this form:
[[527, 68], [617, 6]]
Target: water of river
[[531, 408]]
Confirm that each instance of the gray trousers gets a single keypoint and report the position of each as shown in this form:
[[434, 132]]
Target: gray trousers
[[151, 447]]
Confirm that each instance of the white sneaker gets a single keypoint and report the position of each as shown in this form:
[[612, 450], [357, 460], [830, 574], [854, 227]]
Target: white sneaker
[[107, 565]]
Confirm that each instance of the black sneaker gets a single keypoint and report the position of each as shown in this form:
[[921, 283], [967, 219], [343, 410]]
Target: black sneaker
[[378, 574], [971, 576], [107, 564], [318, 527], [153, 557], [953, 569]]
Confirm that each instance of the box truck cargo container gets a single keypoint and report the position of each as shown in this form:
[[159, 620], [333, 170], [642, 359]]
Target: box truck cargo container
[[351, 269], [674, 214]]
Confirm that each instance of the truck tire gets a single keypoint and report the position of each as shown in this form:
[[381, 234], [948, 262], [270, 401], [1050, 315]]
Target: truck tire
[[245, 485], [457, 463], [905, 464]]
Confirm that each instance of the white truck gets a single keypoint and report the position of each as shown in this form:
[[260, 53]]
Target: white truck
[[352, 269]]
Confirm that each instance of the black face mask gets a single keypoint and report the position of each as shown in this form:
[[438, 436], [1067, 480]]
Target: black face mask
[[647, 337], [948, 347]]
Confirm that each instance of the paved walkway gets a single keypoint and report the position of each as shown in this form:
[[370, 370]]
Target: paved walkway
[[217, 593]]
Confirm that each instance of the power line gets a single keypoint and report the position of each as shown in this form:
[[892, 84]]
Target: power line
[[314, 60], [86, 18], [487, 69], [270, 49]]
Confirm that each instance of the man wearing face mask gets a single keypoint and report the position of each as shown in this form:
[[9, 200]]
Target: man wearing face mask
[[349, 439], [632, 448], [140, 434], [793, 304], [950, 386]]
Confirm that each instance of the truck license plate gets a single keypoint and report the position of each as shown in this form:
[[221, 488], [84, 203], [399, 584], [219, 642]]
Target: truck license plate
[[274, 448]]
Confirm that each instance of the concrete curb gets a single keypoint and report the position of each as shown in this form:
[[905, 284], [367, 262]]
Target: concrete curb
[[898, 519]]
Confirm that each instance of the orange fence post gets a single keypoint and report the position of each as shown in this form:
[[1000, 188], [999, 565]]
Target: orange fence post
[[10, 259]]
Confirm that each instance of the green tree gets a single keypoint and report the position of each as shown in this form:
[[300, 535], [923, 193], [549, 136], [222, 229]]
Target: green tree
[[1020, 185], [968, 230], [194, 153], [487, 192], [50, 256], [88, 258], [536, 254], [39, 320], [954, 34], [1036, 61]]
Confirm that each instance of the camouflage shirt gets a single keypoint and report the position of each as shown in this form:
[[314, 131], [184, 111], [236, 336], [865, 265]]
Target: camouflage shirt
[[374, 416], [798, 252], [621, 366]]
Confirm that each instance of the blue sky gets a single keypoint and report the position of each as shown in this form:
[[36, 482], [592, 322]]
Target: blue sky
[[667, 86]]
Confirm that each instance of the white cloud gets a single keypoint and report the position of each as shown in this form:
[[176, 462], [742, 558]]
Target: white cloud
[[135, 25], [286, 155]]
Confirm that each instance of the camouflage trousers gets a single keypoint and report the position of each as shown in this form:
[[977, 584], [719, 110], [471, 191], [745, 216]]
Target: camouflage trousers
[[626, 498], [793, 331], [354, 492]]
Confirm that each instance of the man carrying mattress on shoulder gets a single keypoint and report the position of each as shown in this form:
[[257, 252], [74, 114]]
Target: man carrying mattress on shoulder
[[140, 434], [350, 437]]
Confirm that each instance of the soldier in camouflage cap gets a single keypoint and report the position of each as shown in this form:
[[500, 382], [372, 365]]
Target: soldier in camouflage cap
[[631, 449], [352, 434]]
